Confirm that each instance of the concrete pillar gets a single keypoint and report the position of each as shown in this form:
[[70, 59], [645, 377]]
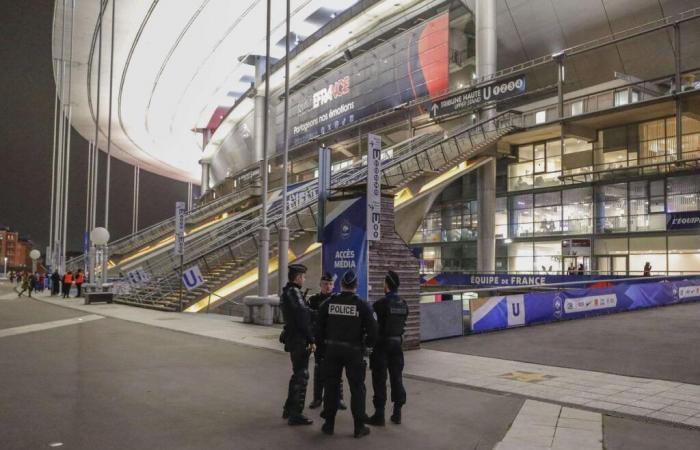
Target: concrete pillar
[[486, 45], [205, 177]]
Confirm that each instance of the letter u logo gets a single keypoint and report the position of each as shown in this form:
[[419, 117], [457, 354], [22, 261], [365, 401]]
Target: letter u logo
[[516, 309], [189, 279]]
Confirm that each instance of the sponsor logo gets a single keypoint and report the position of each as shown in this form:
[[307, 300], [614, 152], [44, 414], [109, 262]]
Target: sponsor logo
[[342, 310], [345, 229], [558, 302], [688, 291], [592, 303], [335, 90]]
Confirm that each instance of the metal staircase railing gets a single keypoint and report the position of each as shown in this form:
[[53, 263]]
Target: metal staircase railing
[[234, 247]]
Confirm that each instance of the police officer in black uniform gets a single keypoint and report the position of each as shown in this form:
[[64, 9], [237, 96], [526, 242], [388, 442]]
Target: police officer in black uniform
[[346, 326], [315, 303], [298, 341], [391, 311]]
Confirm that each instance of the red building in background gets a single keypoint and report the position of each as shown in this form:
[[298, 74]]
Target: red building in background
[[15, 249]]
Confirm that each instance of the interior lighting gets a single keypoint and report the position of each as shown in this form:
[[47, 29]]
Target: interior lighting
[[507, 241]]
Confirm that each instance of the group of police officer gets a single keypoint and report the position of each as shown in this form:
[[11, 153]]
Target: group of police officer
[[341, 329]]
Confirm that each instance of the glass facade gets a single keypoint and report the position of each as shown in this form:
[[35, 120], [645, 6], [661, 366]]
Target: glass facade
[[560, 191]]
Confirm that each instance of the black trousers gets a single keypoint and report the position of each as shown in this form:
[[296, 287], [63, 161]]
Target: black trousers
[[66, 290], [296, 394], [387, 356], [320, 380], [336, 358]]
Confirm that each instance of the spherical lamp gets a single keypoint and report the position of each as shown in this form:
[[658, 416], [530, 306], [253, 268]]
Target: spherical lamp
[[35, 254], [99, 236]]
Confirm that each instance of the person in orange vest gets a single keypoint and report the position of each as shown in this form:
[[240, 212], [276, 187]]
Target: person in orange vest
[[79, 280], [67, 283]]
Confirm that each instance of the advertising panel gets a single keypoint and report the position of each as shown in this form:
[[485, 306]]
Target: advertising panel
[[180, 228], [411, 65], [345, 245], [683, 220], [507, 311]]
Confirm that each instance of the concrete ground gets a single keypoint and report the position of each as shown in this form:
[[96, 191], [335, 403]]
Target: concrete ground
[[111, 383], [654, 343]]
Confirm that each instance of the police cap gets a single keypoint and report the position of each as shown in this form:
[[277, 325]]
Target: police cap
[[327, 276], [392, 280], [296, 269], [349, 278]]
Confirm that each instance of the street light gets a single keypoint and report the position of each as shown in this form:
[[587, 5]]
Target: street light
[[34, 255], [99, 237], [5, 267]]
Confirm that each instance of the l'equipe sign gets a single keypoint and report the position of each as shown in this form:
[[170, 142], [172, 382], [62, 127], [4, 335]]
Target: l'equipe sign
[[683, 220], [180, 228], [374, 187]]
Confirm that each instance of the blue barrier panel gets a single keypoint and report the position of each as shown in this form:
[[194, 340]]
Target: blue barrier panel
[[499, 279], [516, 310]]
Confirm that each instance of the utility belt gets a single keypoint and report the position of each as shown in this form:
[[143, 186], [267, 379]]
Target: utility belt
[[348, 345]]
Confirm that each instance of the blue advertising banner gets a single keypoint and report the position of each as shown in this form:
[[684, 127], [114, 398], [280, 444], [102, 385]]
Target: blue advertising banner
[[345, 245], [508, 311], [683, 220]]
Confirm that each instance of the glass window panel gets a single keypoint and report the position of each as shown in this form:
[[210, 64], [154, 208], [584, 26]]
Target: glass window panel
[[643, 245], [540, 117], [553, 163], [684, 244], [525, 153], [688, 263], [539, 151], [540, 166], [656, 187], [611, 246], [575, 196], [548, 198], [554, 147], [577, 108], [547, 220], [522, 201], [621, 97], [638, 189], [520, 249], [572, 145]]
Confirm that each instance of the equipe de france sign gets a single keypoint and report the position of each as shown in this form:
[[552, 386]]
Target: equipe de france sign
[[180, 228], [374, 187]]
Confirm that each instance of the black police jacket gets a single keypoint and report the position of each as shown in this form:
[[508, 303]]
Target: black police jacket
[[391, 311], [314, 305], [296, 313], [346, 318]]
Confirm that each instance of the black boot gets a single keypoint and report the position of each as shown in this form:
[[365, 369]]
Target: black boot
[[376, 420], [341, 405], [328, 427], [299, 420], [396, 416], [315, 404], [361, 431]]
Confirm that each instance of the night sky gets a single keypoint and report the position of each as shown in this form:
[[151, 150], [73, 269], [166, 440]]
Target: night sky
[[26, 132]]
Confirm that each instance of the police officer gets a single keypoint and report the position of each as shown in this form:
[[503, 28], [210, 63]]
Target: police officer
[[391, 311], [298, 341], [346, 326], [315, 303]]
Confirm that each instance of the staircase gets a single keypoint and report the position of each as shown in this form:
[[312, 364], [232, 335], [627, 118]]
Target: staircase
[[230, 254]]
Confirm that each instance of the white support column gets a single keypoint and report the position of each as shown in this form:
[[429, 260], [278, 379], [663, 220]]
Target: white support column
[[486, 46]]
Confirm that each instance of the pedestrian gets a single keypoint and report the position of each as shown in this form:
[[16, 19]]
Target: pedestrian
[[24, 284], [32, 283], [12, 277], [580, 269], [315, 302], [298, 342], [55, 282], [571, 270], [40, 282], [67, 283], [391, 311], [647, 269], [79, 280], [346, 327]]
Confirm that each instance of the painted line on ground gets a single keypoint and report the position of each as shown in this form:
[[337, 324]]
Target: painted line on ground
[[48, 325]]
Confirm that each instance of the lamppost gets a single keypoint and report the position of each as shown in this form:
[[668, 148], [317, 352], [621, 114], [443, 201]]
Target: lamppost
[[34, 255], [99, 237], [5, 258]]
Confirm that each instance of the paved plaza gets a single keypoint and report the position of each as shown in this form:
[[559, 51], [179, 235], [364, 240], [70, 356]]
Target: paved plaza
[[110, 376]]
